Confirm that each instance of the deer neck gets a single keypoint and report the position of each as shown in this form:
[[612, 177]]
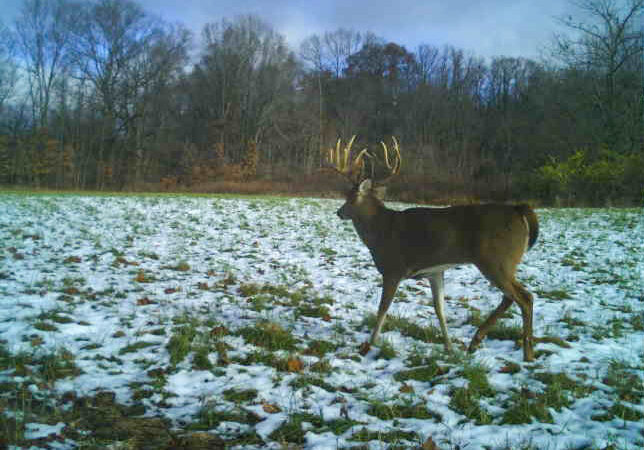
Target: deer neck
[[374, 225]]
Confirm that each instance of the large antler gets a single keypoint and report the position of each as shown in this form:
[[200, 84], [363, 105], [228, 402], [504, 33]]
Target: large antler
[[339, 160], [393, 165]]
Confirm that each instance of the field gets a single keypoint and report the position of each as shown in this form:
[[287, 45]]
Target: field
[[204, 322]]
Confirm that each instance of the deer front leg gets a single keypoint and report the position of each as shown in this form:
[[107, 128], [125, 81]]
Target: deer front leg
[[437, 282], [389, 286]]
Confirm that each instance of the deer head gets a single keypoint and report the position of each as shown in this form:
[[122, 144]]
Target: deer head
[[367, 192]]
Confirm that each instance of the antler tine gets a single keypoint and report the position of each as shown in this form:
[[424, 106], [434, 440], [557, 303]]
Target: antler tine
[[391, 163], [386, 152], [339, 160], [396, 170], [396, 163], [358, 162], [347, 152]]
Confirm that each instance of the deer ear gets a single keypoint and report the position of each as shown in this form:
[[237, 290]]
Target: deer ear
[[379, 192], [365, 186]]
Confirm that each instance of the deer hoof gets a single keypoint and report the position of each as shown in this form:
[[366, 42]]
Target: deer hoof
[[364, 348]]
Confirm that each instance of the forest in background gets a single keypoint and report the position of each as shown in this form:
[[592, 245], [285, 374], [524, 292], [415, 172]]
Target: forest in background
[[102, 95]]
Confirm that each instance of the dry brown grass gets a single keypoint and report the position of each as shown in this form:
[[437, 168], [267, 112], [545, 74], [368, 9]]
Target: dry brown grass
[[434, 189], [423, 190]]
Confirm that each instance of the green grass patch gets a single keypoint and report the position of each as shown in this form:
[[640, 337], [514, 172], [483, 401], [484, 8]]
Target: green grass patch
[[624, 412], [55, 366], [560, 392], [571, 321], [304, 381], [135, 347], [61, 319], [312, 310], [391, 411], [387, 350], [466, 400], [45, 326], [574, 261], [404, 326], [211, 415], [554, 294], [181, 266], [275, 291], [266, 358], [628, 386], [525, 406], [201, 360], [505, 332], [614, 329], [292, 431], [427, 373], [637, 321], [562, 381], [269, 335], [320, 348], [180, 343], [240, 396], [392, 437]]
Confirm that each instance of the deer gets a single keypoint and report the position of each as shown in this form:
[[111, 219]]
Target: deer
[[423, 242]]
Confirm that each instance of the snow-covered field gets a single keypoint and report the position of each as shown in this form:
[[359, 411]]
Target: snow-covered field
[[242, 318]]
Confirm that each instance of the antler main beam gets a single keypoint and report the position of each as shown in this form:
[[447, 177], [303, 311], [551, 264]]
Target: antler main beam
[[339, 160], [395, 169], [393, 165]]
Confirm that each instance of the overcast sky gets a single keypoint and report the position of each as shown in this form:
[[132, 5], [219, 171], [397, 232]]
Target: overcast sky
[[484, 27]]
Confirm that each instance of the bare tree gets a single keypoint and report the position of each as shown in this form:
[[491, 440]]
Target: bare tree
[[245, 72], [427, 60], [8, 67], [605, 42], [607, 37], [43, 37], [121, 51], [312, 52], [339, 45]]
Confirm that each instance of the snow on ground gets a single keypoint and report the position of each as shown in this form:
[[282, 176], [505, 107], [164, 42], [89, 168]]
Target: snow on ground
[[112, 280]]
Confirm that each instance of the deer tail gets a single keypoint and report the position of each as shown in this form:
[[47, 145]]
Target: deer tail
[[530, 217]]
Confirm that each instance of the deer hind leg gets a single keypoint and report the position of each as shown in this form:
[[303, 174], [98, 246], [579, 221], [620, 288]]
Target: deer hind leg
[[525, 301], [489, 322], [437, 282], [513, 291]]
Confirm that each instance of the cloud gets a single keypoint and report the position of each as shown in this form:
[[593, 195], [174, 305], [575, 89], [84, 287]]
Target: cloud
[[486, 28]]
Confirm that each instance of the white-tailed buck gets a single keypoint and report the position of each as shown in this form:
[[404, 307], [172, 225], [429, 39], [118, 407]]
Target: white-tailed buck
[[424, 242]]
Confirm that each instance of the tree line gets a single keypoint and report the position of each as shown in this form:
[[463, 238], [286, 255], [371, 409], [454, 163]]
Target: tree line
[[103, 95]]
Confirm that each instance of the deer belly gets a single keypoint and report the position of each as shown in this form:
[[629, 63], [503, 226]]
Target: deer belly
[[429, 271]]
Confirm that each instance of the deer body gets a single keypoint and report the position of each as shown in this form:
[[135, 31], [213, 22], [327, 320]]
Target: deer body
[[415, 241], [424, 242]]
